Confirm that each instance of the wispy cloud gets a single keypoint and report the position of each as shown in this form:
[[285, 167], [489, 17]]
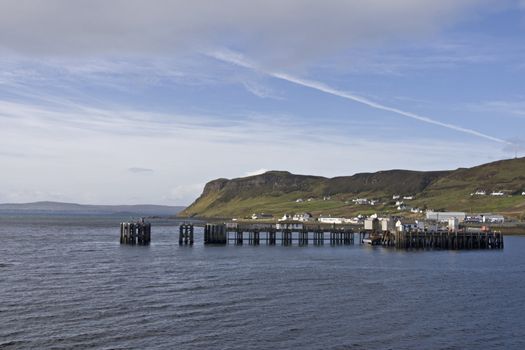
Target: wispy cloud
[[501, 107], [240, 60], [259, 90]]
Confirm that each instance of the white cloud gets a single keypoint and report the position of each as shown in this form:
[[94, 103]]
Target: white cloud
[[92, 151], [83, 154], [272, 30]]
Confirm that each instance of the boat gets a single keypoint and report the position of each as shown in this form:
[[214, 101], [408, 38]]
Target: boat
[[372, 240], [368, 241]]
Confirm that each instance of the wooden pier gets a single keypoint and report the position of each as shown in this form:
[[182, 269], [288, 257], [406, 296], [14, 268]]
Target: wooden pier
[[446, 240], [304, 234], [272, 235], [135, 233], [454, 240], [215, 234]]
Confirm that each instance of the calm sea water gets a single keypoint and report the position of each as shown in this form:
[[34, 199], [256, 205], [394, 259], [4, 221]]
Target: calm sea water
[[67, 283]]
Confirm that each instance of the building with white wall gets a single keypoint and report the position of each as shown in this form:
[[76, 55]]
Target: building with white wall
[[444, 216]]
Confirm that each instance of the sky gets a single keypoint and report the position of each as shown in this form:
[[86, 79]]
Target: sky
[[144, 101]]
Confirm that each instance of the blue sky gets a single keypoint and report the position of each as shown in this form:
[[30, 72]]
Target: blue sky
[[145, 101]]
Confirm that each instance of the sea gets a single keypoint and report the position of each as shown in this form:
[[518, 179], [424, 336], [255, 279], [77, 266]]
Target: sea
[[67, 283]]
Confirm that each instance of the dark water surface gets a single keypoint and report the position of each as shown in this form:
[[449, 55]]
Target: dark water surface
[[68, 283]]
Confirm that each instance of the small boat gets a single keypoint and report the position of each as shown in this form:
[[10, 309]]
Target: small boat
[[372, 240]]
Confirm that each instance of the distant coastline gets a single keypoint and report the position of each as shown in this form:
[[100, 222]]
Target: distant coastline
[[60, 208]]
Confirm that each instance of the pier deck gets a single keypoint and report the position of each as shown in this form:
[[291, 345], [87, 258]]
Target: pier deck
[[304, 234], [341, 235]]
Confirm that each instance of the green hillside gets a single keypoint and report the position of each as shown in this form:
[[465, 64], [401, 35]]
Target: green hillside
[[277, 192]]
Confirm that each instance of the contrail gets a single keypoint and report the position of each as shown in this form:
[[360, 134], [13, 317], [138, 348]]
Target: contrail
[[239, 60]]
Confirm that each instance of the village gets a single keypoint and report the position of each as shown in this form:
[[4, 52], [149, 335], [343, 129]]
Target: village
[[417, 219], [433, 221]]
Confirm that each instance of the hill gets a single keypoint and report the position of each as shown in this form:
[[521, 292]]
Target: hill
[[80, 209], [278, 192]]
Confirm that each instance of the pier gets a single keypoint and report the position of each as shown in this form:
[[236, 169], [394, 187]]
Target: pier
[[304, 234], [285, 235], [454, 240], [139, 233], [446, 240], [135, 233]]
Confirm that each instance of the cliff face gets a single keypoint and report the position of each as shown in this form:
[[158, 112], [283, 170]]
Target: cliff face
[[270, 183], [277, 192], [214, 186], [385, 182]]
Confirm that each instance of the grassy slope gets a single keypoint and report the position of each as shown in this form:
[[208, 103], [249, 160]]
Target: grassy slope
[[276, 193], [452, 192]]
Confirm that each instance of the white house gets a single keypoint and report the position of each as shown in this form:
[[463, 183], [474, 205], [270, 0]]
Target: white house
[[480, 193], [416, 210], [404, 226], [402, 207], [261, 216], [396, 196], [286, 217], [354, 221], [498, 193], [408, 198], [299, 200], [400, 203], [523, 193], [361, 201], [303, 217]]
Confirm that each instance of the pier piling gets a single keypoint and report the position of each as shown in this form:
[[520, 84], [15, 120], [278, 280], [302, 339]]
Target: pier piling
[[186, 234], [133, 233]]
